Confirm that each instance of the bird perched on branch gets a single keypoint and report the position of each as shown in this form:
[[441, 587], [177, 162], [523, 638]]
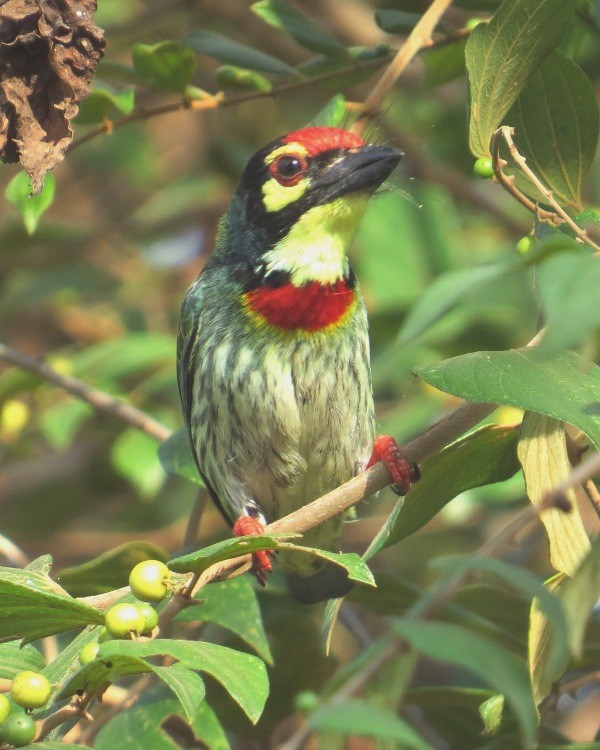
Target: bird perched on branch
[[273, 348]]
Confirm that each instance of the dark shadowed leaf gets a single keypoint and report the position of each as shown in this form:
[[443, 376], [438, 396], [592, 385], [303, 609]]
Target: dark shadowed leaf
[[243, 676], [500, 669], [166, 66], [485, 456], [281, 15], [579, 596], [529, 585], [502, 55], [358, 718], [225, 50], [176, 457], [562, 385], [556, 128], [233, 605], [396, 21], [31, 207]]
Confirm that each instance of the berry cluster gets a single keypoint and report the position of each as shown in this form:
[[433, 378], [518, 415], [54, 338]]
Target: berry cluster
[[28, 690]]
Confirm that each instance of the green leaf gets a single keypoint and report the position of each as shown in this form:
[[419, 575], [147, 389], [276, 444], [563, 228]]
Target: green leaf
[[108, 571], [103, 102], [332, 114], [353, 717], [579, 596], [444, 63], [566, 284], [465, 707], [33, 606], [140, 726], [60, 422], [496, 666], [67, 663], [355, 566], [563, 385], [43, 745], [544, 457], [231, 76], [233, 605], [166, 66], [176, 457], [483, 457], [528, 584], [200, 560], [185, 684], [282, 15], [348, 76], [208, 729], [31, 207], [17, 658], [502, 55], [225, 50], [134, 457], [243, 676], [103, 671], [556, 124], [448, 288]]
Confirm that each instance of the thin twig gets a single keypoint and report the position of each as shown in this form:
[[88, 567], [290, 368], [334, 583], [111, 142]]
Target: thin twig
[[12, 554], [581, 474], [556, 216], [45, 726], [419, 38], [220, 101], [593, 495], [95, 397]]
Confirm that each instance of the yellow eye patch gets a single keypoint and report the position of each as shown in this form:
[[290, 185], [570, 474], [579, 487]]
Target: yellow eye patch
[[290, 149], [277, 196]]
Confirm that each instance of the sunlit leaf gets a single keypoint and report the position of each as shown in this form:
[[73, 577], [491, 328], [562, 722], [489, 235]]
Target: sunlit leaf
[[31, 207], [543, 455], [563, 386], [134, 457], [17, 658], [104, 102], [556, 127], [34, 606], [231, 76], [166, 66], [502, 55]]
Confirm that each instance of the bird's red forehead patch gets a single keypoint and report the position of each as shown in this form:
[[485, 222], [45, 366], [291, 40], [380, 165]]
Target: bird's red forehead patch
[[319, 139]]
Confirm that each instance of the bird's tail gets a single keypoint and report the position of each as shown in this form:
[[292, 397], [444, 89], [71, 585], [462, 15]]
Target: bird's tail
[[329, 582]]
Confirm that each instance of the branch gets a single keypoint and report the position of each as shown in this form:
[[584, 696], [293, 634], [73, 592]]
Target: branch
[[508, 183], [418, 38], [98, 399], [219, 100]]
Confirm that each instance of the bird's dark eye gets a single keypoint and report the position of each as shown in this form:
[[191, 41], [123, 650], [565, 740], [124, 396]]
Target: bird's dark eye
[[288, 169]]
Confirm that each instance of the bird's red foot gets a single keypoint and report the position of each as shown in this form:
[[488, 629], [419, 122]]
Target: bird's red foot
[[386, 449], [261, 564]]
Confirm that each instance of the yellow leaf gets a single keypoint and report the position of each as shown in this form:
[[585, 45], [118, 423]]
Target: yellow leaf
[[542, 451]]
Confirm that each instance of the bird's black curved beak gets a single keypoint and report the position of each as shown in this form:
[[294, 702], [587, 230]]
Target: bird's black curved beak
[[361, 170]]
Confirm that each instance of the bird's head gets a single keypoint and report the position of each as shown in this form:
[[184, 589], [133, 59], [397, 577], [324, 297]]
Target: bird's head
[[298, 204]]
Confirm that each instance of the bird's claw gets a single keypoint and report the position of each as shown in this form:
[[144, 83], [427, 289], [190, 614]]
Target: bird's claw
[[404, 473], [261, 564]]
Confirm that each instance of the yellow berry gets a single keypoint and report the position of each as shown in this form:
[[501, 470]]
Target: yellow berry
[[124, 619], [30, 689], [149, 580]]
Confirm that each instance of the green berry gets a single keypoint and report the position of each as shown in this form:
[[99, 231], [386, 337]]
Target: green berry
[[18, 729], [472, 23], [104, 635], [306, 701], [149, 580], [484, 168], [88, 653], [150, 617], [525, 244], [4, 707], [30, 689], [124, 619]]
